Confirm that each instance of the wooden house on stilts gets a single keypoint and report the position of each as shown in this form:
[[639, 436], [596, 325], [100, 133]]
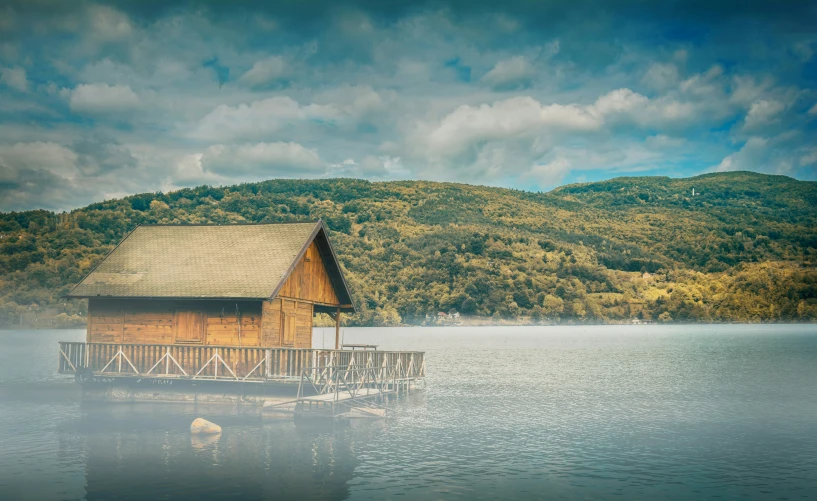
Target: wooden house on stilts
[[215, 302], [235, 285]]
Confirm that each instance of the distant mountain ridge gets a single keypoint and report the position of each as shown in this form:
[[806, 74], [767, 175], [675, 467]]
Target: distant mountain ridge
[[742, 248]]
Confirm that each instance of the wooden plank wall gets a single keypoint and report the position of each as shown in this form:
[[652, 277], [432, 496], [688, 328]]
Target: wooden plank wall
[[309, 280], [292, 309], [286, 323], [225, 330], [303, 325], [155, 322], [271, 323]]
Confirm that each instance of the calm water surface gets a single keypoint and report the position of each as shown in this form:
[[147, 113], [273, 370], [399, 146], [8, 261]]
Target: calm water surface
[[649, 412]]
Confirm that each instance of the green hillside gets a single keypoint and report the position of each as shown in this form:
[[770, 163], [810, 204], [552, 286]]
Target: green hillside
[[743, 248]]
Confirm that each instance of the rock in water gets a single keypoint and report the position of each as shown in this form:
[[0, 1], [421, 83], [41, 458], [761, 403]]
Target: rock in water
[[203, 427]]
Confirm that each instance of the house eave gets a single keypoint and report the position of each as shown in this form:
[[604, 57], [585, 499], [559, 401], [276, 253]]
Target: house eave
[[160, 298]]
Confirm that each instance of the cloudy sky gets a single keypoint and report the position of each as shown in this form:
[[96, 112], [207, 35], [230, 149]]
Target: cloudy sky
[[100, 100]]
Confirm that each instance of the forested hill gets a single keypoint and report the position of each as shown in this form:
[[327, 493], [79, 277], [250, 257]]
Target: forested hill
[[743, 248]]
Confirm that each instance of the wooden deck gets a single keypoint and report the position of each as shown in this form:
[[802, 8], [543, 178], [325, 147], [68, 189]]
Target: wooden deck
[[331, 397], [226, 363]]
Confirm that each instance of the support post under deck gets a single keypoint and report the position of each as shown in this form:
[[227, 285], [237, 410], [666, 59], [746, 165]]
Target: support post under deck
[[337, 329]]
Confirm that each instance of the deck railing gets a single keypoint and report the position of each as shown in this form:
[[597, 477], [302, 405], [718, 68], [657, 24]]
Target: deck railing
[[222, 362], [352, 381]]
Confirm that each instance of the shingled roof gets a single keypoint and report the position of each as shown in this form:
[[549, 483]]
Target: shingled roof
[[249, 261]]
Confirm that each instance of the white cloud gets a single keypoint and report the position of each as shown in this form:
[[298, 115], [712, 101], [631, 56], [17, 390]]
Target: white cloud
[[704, 84], [781, 154], [258, 118], [188, 168], [620, 101], [353, 101], [263, 160], [412, 71], [374, 166], [527, 118], [550, 174], [763, 112], [103, 98], [39, 174], [809, 158], [168, 70], [507, 119], [108, 24], [15, 78], [515, 72], [50, 175], [743, 159], [612, 155], [107, 71], [662, 142], [347, 167], [803, 50], [624, 105], [371, 167], [813, 110], [661, 76], [261, 118], [522, 138], [266, 71], [38, 155], [748, 89]]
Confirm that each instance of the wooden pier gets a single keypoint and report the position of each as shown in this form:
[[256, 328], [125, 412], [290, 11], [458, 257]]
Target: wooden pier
[[290, 379], [224, 363], [354, 389], [224, 314]]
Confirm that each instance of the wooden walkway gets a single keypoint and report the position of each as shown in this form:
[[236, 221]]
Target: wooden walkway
[[350, 391], [332, 397]]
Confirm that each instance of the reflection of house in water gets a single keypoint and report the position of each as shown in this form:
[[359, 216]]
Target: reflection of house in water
[[153, 456]]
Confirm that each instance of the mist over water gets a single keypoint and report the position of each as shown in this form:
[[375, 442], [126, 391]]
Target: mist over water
[[603, 412]]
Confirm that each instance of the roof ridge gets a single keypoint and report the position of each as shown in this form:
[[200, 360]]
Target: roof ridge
[[217, 225]]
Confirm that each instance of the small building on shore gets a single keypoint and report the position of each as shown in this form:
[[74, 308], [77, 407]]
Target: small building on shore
[[248, 285]]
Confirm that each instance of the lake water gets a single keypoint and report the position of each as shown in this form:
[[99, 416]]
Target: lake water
[[646, 412]]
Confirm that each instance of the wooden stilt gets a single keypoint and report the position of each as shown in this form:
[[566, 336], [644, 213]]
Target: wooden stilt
[[337, 329]]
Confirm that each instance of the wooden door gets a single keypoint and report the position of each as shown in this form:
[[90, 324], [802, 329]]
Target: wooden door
[[189, 326], [303, 337], [288, 322]]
